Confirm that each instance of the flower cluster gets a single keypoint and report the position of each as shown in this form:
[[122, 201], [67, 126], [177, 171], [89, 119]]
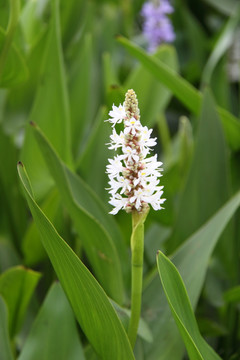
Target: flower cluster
[[133, 176], [157, 27]]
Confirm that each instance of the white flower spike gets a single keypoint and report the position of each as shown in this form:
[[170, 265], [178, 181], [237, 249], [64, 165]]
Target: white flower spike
[[134, 178]]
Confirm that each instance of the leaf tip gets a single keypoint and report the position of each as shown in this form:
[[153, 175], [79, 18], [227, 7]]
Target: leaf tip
[[33, 124], [118, 37], [20, 164]]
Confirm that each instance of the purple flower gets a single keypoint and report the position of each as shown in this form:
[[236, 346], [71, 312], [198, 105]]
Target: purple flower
[[157, 27]]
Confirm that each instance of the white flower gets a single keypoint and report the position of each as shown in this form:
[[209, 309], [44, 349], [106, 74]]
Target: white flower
[[130, 155], [133, 177], [115, 166], [116, 140], [119, 202], [117, 114], [146, 142], [121, 183], [132, 126]]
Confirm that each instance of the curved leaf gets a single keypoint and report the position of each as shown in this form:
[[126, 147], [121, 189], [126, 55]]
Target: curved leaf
[[182, 312], [16, 287], [50, 109], [91, 306], [184, 91], [54, 333], [204, 191], [221, 46], [14, 69], [191, 260], [153, 96], [91, 220]]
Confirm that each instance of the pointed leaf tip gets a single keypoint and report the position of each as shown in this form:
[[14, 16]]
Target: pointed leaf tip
[[32, 123]]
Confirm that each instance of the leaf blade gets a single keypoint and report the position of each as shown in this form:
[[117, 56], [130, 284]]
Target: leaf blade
[[48, 339], [91, 221], [91, 306], [5, 346], [191, 260], [179, 303], [184, 91]]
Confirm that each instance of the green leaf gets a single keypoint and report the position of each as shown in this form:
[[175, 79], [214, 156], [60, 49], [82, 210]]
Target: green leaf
[[93, 224], [32, 247], [191, 260], [14, 70], [153, 96], [91, 306], [232, 295], [226, 7], [5, 353], [31, 19], [124, 314], [81, 95], [72, 15], [223, 43], [207, 185], [93, 159], [54, 333], [8, 254], [16, 287], [184, 91], [192, 46], [50, 110], [178, 300], [12, 200]]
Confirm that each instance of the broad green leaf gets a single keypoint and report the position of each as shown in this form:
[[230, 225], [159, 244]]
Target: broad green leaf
[[4, 13], [93, 159], [184, 91], [32, 247], [72, 15], [8, 254], [54, 333], [191, 260], [192, 45], [232, 295], [207, 185], [153, 96], [50, 110], [5, 346], [124, 314], [221, 84], [223, 43], [154, 237], [81, 94], [97, 230], [114, 93], [12, 201], [16, 287], [182, 311], [14, 70], [91, 306]]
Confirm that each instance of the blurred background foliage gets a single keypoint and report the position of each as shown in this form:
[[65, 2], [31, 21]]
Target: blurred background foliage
[[62, 67]]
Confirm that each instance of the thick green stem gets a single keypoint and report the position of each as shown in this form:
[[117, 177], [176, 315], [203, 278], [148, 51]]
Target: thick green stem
[[137, 248], [12, 23]]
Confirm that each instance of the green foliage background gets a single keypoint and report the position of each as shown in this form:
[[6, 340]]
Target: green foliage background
[[62, 66]]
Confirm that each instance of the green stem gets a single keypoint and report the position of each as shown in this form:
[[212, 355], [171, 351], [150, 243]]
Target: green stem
[[12, 23], [137, 248]]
